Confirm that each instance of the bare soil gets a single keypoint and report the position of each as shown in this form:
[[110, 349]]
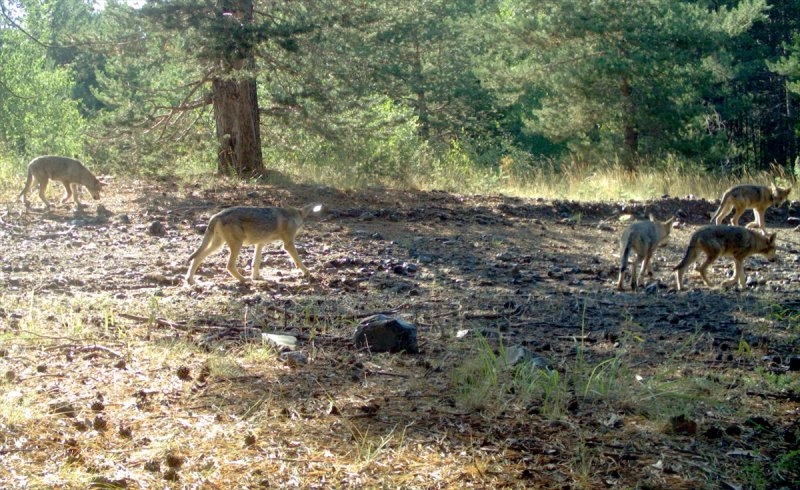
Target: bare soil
[[116, 374]]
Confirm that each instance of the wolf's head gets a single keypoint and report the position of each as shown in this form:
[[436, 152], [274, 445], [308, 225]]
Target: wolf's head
[[779, 194]]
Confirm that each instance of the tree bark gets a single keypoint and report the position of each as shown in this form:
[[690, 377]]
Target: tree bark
[[631, 134], [235, 99], [238, 127], [418, 85]]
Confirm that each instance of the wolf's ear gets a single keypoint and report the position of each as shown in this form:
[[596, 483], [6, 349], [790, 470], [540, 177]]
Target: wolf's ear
[[771, 238]]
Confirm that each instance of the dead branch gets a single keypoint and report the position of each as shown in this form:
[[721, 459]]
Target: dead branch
[[85, 348], [167, 323]]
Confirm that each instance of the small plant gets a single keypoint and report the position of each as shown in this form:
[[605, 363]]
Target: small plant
[[545, 385], [477, 380], [755, 476], [783, 314], [744, 349], [368, 448], [788, 468]]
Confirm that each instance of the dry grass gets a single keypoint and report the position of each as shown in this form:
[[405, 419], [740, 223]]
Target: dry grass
[[572, 180], [610, 181]]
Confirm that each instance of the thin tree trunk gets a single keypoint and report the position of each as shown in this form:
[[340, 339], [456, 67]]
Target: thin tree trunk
[[631, 134], [418, 84]]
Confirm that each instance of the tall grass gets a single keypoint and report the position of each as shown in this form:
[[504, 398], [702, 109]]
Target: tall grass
[[455, 171], [458, 169]]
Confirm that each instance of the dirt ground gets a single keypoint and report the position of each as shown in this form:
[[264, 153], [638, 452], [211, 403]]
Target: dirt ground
[[117, 374]]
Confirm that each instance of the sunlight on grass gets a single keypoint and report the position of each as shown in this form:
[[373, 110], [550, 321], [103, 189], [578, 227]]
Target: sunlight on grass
[[571, 179]]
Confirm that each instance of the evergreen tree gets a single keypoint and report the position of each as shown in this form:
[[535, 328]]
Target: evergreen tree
[[760, 111], [627, 78], [278, 62], [37, 113]]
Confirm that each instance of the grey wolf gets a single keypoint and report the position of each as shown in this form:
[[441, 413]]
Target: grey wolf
[[68, 171], [642, 237], [242, 225], [740, 198], [732, 241]]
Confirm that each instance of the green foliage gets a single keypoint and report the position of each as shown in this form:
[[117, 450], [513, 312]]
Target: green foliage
[[38, 115], [616, 78], [789, 65], [417, 94]]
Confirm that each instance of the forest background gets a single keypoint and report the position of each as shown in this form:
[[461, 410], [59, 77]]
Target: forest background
[[496, 95]]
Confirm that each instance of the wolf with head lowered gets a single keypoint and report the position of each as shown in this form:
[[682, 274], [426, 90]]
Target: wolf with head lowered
[[756, 197], [242, 225], [68, 171]]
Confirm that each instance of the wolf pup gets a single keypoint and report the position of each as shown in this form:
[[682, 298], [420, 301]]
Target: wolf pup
[[68, 171], [241, 225], [756, 197], [643, 237], [733, 241]]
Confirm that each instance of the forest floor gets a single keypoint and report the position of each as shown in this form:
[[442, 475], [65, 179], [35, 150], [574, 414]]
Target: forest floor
[[117, 375]]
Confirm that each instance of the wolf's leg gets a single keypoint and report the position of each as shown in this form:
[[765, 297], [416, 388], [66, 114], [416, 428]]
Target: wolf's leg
[[42, 188], [205, 250], [724, 210], [712, 256], [738, 275], [257, 261], [288, 245], [233, 259], [737, 214], [760, 218], [68, 192]]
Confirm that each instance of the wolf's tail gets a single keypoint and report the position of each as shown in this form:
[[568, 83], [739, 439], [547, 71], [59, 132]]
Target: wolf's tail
[[207, 236], [623, 256], [27, 187], [688, 255], [720, 208]]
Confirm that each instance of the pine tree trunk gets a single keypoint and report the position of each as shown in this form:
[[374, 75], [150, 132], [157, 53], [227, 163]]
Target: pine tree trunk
[[238, 127], [631, 136], [418, 85], [235, 99]]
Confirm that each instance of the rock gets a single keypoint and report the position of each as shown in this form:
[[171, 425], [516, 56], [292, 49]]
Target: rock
[[380, 333], [517, 354], [294, 358], [682, 425], [652, 288], [280, 340], [404, 269], [156, 228], [105, 482], [103, 211]]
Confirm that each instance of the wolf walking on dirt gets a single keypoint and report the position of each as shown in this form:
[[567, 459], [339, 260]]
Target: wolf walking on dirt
[[242, 225], [732, 241], [68, 171], [740, 198], [642, 237]]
